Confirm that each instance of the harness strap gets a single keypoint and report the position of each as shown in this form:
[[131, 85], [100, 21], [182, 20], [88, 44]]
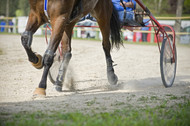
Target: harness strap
[[45, 8], [123, 4], [124, 16]]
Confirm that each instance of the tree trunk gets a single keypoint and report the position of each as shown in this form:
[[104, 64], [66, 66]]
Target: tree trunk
[[177, 25], [156, 6], [159, 6], [7, 15]]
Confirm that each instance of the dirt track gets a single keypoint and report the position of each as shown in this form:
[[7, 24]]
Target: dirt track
[[137, 68]]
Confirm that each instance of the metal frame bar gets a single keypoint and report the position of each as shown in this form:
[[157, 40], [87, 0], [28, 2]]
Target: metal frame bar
[[160, 27]]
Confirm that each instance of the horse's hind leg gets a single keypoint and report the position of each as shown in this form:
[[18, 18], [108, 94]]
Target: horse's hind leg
[[66, 46], [32, 25], [103, 17], [112, 78]]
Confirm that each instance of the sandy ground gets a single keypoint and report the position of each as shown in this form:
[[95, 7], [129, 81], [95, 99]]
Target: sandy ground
[[138, 70]]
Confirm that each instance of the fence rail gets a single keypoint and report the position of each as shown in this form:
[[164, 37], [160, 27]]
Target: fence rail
[[79, 31]]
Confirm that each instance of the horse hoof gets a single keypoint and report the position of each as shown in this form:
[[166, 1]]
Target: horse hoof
[[39, 92], [39, 64], [58, 88], [113, 79]]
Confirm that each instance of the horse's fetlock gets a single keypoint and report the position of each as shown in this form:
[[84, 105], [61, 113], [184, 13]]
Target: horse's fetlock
[[37, 61], [33, 60], [109, 62]]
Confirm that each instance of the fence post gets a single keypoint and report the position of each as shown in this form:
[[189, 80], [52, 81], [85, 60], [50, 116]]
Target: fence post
[[75, 33], [152, 35], [97, 34]]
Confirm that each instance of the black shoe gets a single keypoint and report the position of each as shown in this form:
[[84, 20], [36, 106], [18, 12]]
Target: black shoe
[[131, 23], [139, 19]]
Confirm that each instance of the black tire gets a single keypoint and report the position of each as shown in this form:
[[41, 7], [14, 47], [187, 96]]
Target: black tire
[[167, 65], [54, 70]]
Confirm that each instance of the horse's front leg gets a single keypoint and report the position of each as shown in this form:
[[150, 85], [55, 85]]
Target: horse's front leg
[[66, 46], [58, 25], [32, 25]]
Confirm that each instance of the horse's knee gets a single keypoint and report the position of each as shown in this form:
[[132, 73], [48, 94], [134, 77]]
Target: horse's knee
[[48, 58], [26, 39]]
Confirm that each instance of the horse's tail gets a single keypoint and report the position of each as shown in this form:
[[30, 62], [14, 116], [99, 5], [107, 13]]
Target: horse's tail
[[115, 26]]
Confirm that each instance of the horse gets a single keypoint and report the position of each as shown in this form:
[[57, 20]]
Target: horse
[[63, 15]]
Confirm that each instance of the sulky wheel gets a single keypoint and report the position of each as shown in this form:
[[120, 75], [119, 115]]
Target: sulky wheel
[[168, 61]]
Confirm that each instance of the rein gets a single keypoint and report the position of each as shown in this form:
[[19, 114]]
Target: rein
[[124, 16]]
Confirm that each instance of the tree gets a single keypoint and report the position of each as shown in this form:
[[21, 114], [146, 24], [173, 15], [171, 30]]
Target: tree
[[172, 6], [179, 11], [186, 8], [2, 7], [159, 6], [24, 7], [13, 5], [7, 8]]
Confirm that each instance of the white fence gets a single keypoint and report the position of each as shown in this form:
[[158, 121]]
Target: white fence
[[19, 25]]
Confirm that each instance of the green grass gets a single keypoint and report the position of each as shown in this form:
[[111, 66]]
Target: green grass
[[177, 115], [90, 103], [1, 52], [6, 33]]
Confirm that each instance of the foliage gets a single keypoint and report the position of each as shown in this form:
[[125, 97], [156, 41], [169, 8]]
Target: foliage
[[19, 12], [13, 6], [186, 8], [24, 7], [165, 7]]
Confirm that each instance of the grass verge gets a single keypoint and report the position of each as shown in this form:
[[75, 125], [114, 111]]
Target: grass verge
[[177, 115], [1, 51]]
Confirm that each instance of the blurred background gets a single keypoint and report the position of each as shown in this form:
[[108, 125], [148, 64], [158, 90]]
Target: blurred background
[[176, 13]]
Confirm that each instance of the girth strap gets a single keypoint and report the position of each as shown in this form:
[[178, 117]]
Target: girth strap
[[45, 8]]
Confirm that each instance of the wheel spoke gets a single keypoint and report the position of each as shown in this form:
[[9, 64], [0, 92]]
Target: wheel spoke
[[168, 68]]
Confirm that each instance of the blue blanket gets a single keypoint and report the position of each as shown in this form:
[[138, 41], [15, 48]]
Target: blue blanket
[[118, 7]]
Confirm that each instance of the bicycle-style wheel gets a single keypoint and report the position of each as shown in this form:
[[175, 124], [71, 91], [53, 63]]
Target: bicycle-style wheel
[[168, 61], [54, 69]]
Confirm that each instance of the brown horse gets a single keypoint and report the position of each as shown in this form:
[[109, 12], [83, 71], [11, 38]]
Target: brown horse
[[63, 15]]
